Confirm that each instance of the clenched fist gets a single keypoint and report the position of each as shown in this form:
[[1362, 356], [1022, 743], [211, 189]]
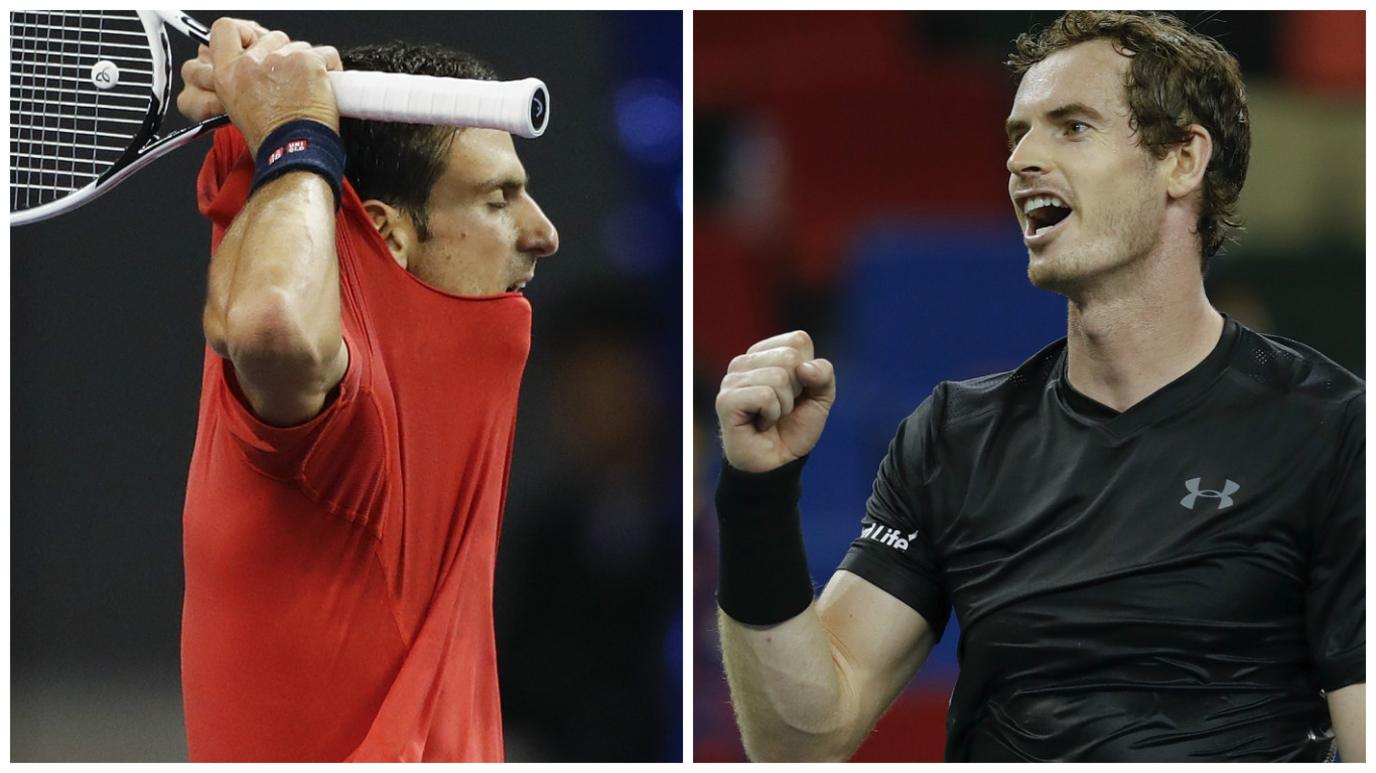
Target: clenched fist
[[261, 78], [774, 402]]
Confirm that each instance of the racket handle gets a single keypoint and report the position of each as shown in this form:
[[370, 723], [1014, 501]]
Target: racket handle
[[520, 107]]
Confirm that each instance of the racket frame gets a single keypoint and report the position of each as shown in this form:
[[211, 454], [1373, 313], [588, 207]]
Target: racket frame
[[147, 146], [140, 151]]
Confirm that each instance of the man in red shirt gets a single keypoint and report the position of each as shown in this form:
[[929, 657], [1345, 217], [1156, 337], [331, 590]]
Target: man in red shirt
[[366, 337]]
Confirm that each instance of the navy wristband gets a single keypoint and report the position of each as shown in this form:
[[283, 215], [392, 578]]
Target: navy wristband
[[301, 146], [762, 576]]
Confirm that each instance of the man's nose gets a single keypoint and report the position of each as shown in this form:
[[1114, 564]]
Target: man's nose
[[538, 236], [1028, 155]]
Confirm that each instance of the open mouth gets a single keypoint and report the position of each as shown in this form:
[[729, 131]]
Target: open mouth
[[1044, 213]]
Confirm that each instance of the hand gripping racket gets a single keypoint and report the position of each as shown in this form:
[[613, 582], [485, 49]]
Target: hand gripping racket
[[89, 91]]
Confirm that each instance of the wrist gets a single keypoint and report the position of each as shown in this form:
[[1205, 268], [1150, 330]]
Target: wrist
[[323, 117], [301, 146], [762, 572]]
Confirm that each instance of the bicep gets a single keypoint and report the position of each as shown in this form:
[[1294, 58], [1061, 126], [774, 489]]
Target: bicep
[[879, 641], [1347, 708]]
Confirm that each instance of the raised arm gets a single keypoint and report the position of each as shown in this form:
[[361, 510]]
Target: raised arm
[[808, 679], [273, 301]]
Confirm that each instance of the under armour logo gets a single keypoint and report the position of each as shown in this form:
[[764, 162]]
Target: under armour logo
[[1224, 497]]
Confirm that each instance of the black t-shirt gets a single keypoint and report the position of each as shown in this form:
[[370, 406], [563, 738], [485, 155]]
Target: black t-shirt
[[1178, 581]]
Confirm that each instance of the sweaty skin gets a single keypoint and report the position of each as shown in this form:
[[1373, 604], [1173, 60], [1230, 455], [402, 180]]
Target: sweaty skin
[[273, 301]]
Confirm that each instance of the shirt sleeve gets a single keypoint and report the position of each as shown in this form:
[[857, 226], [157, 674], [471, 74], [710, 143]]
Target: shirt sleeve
[[337, 459], [223, 183], [1335, 604], [895, 551]]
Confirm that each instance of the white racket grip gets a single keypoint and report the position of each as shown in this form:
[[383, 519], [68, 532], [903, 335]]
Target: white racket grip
[[520, 107]]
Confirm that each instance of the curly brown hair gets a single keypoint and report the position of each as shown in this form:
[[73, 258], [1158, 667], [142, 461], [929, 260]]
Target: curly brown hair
[[1177, 77]]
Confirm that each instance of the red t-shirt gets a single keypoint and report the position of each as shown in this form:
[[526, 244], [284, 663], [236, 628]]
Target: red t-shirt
[[339, 573]]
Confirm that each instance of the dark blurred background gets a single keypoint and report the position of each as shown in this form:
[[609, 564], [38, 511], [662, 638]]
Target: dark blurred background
[[106, 370], [849, 179]]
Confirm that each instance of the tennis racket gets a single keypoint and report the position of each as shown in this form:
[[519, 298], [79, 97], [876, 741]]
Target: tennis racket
[[89, 91]]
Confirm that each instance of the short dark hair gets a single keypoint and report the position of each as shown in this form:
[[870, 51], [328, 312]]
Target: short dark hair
[[399, 162], [1177, 77]]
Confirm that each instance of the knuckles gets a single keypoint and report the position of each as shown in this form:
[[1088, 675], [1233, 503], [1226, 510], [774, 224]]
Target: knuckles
[[273, 40], [224, 26], [786, 357], [773, 376], [723, 403]]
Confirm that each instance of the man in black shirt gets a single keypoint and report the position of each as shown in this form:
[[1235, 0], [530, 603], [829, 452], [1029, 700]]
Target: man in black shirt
[[1152, 532]]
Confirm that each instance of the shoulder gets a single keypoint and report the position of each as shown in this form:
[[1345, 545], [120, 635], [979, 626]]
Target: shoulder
[[958, 402], [956, 411], [1288, 368]]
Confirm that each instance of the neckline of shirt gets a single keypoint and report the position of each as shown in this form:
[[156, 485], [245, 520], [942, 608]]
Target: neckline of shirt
[[1164, 402]]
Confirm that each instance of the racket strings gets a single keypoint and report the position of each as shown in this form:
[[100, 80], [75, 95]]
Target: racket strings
[[65, 129]]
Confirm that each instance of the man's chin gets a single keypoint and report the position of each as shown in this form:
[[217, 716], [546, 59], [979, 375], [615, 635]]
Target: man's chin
[[1049, 274], [1063, 277]]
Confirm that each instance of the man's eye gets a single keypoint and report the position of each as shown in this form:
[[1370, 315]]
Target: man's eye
[[1077, 127]]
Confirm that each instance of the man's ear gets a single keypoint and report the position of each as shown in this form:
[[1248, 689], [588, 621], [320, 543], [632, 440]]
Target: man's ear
[[1189, 162], [394, 227]]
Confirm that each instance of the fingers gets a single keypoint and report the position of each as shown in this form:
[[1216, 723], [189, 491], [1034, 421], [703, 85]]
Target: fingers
[[758, 405], [197, 100], [816, 373], [798, 339], [267, 44], [788, 351], [818, 378], [229, 38], [327, 55], [291, 47], [783, 364], [330, 55], [781, 380], [199, 72], [198, 104]]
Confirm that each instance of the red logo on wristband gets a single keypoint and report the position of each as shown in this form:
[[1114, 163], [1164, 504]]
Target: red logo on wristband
[[295, 146]]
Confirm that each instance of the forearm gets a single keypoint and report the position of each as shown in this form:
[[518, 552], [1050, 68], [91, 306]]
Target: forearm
[[274, 285], [790, 690], [1347, 708], [787, 667]]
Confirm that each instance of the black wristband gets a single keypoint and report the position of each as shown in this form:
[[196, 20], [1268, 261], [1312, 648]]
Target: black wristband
[[301, 146], [762, 577]]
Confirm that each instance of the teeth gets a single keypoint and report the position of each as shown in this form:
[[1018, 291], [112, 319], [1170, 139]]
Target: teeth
[[1036, 202]]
